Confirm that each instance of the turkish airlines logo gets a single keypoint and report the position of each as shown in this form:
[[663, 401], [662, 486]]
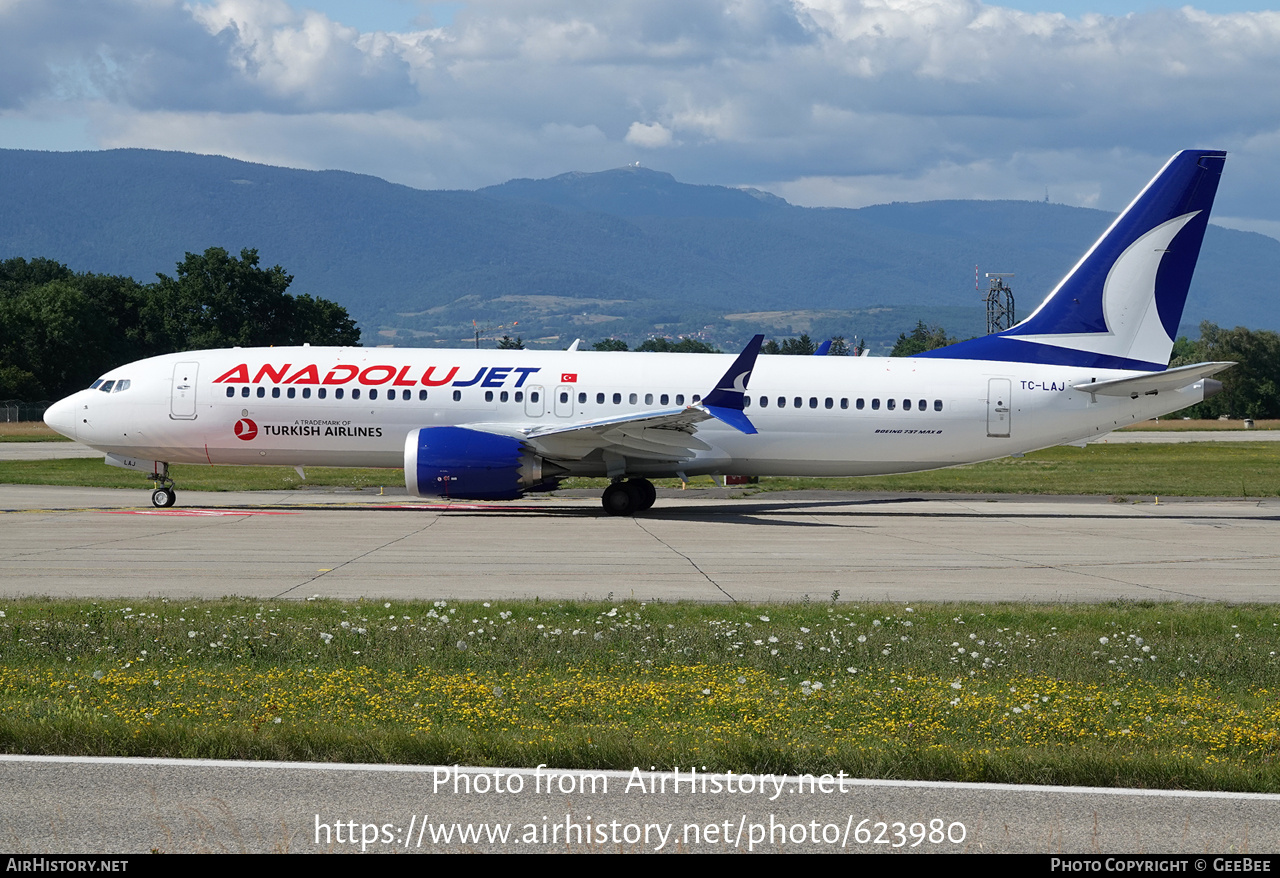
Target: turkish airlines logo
[[246, 429]]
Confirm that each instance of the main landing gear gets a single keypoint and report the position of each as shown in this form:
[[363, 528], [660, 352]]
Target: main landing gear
[[163, 496], [629, 497]]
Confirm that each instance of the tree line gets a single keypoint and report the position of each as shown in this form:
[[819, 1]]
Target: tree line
[[59, 329]]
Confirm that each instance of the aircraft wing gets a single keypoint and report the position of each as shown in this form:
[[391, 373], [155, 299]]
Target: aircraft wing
[[665, 435], [1154, 382]]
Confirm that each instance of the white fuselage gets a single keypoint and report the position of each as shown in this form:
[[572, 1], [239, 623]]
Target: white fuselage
[[814, 415]]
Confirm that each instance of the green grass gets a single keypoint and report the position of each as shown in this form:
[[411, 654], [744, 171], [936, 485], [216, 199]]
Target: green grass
[[1193, 469], [1148, 695]]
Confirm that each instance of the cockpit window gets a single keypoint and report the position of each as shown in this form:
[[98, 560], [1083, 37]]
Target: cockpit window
[[122, 384], [94, 385], [106, 386]]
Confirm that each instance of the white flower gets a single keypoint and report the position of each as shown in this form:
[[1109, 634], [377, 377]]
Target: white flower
[[956, 685], [387, 606], [326, 637], [764, 618], [862, 638], [1104, 640], [191, 634]]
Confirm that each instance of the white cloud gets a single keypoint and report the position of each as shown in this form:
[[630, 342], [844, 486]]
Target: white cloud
[[823, 101], [653, 136]]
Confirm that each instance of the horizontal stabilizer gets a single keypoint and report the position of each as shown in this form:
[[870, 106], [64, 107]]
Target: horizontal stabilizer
[[1155, 382]]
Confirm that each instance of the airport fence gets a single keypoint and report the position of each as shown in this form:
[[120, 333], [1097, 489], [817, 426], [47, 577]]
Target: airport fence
[[13, 410]]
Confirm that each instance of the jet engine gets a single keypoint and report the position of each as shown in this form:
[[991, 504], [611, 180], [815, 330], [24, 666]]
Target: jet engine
[[467, 464]]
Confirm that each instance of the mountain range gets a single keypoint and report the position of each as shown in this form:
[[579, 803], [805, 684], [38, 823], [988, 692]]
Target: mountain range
[[626, 252]]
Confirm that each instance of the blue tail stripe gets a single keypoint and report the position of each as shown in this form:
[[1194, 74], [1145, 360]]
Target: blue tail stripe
[[1183, 191]]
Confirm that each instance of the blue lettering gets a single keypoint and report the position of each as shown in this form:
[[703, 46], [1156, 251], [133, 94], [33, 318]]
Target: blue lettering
[[473, 380], [497, 375], [525, 372]]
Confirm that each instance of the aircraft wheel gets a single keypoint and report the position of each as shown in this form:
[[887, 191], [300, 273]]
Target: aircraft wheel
[[163, 498], [646, 493], [620, 499]]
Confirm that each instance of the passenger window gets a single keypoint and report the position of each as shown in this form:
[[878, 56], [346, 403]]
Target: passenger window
[[679, 399], [231, 391], [906, 405], [564, 396], [244, 391], [533, 396], [339, 393], [262, 391], [782, 402], [355, 393], [664, 399], [373, 394], [697, 397], [813, 402], [293, 391], [519, 397], [617, 399], [322, 392], [875, 405], [923, 404], [648, 399], [937, 405], [632, 399], [457, 396], [890, 403], [422, 396], [502, 396], [306, 393], [798, 402], [844, 402], [764, 402], [860, 404], [488, 396], [829, 402], [746, 401], [599, 399], [582, 397], [275, 392]]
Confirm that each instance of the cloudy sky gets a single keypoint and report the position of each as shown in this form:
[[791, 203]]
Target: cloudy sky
[[824, 102]]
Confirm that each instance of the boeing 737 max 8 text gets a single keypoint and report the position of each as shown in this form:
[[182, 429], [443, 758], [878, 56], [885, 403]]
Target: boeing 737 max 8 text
[[497, 424]]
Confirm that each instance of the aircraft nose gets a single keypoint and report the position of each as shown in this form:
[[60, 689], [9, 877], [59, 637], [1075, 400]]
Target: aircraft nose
[[61, 416]]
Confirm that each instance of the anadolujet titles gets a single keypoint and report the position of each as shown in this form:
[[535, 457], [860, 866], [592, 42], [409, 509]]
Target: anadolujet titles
[[497, 424]]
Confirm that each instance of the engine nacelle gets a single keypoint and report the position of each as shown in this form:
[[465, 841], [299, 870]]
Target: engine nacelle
[[468, 464]]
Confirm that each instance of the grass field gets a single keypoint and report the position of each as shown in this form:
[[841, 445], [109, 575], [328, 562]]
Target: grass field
[[1168, 696], [1236, 469], [28, 431]]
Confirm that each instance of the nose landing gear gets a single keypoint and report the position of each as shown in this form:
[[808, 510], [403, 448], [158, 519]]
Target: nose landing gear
[[164, 495], [629, 497]]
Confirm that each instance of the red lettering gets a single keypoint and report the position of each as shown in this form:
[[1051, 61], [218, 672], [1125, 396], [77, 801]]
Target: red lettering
[[426, 377], [276, 375], [400, 382], [238, 375], [365, 377], [332, 377], [305, 375]]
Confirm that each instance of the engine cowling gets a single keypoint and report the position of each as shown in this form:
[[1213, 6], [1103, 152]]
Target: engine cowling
[[467, 464]]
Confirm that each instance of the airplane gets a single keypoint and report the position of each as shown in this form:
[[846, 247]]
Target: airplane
[[498, 424]]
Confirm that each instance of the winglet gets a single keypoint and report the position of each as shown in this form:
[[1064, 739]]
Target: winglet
[[725, 402], [823, 349]]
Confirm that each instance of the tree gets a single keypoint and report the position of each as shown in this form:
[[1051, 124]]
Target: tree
[[839, 347], [219, 301], [1250, 389], [610, 344], [923, 338], [507, 343], [686, 345]]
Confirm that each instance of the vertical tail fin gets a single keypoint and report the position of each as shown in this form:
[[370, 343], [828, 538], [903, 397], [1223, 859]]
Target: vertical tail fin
[[1120, 306]]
